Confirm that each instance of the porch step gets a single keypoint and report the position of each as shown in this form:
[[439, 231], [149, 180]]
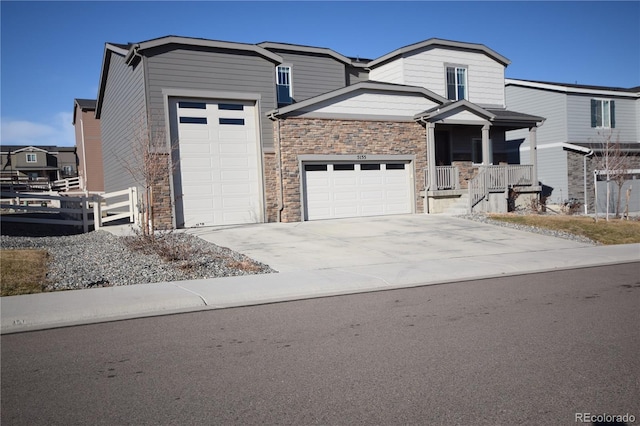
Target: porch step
[[461, 206]]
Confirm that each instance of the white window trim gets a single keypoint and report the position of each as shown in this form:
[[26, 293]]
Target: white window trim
[[290, 67], [466, 80], [602, 101], [35, 157]]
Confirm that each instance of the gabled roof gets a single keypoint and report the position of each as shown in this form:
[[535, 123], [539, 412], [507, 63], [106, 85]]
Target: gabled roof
[[109, 49], [433, 113], [84, 105], [499, 116], [364, 85], [28, 148], [191, 41], [130, 50], [436, 42], [633, 92], [269, 45]]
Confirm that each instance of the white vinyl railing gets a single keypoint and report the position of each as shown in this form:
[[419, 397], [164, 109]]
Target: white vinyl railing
[[43, 184], [496, 179], [447, 177], [67, 184], [82, 211]]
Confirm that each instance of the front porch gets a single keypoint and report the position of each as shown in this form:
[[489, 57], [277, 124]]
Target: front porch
[[470, 165], [467, 188]]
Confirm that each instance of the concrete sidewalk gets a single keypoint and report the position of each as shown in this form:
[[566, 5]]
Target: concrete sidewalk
[[350, 256]]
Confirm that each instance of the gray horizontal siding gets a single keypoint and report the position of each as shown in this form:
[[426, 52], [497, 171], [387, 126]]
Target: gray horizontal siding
[[123, 111], [178, 67], [549, 105], [314, 75], [579, 121], [356, 75], [552, 173]]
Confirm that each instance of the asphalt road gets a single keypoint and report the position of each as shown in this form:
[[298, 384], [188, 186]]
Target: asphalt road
[[533, 349]]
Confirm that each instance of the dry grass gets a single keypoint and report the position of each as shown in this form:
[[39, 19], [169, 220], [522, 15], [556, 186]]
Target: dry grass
[[23, 271], [615, 231]]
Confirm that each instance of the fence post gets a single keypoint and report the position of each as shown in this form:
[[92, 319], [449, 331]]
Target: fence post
[[132, 204], [85, 214], [97, 212]]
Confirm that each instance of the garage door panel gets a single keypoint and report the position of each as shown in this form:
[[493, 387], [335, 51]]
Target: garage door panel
[[372, 180], [232, 148], [196, 133]]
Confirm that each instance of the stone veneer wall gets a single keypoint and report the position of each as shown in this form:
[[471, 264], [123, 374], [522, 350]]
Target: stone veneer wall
[[299, 136], [271, 185], [161, 189], [575, 167]]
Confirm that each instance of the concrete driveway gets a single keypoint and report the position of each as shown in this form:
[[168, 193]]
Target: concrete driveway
[[375, 241]]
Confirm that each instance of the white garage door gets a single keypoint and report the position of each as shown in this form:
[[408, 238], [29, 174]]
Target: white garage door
[[337, 190], [219, 164]]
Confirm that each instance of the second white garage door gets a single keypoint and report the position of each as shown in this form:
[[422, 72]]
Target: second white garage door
[[219, 164], [339, 190]]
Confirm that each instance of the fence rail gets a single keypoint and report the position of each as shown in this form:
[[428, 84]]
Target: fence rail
[[42, 184], [81, 211]]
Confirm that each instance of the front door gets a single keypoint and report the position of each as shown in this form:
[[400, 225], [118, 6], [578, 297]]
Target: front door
[[443, 148]]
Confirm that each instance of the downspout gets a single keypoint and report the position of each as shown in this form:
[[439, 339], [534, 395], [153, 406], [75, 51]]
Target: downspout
[[281, 194], [584, 173]]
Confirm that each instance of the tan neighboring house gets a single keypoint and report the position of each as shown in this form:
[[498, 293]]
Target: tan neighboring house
[[89, 145]]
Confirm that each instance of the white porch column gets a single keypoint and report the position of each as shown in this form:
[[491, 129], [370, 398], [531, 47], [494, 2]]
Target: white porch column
[[533, 150], [431, 156], [486, 149]]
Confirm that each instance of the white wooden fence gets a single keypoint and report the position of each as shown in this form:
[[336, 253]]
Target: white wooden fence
[[81, 211]]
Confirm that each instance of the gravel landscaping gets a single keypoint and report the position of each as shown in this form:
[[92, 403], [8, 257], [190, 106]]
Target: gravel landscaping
[[99, 259]]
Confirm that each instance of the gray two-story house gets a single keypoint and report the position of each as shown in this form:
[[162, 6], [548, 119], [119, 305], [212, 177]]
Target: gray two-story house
[[281, 132], [580, 119], [42, 163]]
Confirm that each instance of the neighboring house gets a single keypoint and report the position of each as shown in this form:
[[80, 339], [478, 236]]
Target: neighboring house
[[89, 146], [281, 132], [43, 164], [579, 118]]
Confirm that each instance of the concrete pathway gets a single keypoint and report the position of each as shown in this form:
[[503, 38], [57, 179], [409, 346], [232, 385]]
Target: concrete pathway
[[323, 258]]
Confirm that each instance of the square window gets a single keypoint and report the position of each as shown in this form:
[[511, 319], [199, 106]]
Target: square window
[[32, 158], [602, 113]]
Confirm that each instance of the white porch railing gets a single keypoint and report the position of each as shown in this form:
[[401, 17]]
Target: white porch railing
[[447, 177], [498, 179]]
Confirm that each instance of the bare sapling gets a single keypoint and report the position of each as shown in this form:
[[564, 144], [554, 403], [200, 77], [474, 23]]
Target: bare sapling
[[615, 164]]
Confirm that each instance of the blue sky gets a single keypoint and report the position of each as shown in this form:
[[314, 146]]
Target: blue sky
[[51, 52]]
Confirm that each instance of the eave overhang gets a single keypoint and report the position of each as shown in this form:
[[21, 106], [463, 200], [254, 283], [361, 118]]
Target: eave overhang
[[307, 49], [435, 42], [109, 49]]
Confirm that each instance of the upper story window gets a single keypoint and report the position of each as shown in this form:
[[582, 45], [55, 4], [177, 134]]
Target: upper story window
[[283, 85], [603, 113], [32, 158], [67, 170], [456, 83]]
